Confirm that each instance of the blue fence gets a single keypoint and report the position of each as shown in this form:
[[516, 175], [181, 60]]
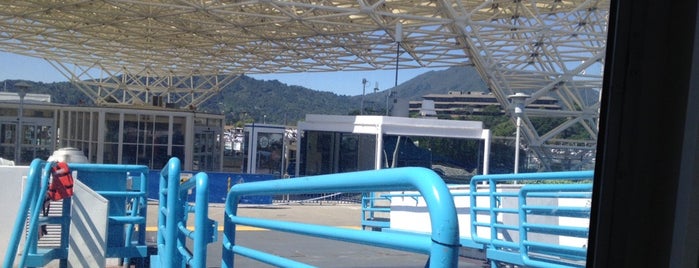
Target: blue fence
[[172, 219], [538, 254], [492, 199], [127, 209], [442, 245], [124, 186], [500, 247], [31, 203], [219, 183]]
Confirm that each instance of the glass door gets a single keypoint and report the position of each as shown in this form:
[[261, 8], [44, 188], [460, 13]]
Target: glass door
[[205, 149], [8, 136]]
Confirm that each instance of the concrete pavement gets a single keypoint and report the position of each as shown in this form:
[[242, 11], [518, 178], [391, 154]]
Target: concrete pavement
[[314, 251]]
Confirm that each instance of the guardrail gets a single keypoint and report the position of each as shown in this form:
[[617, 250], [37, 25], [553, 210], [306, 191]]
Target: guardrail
[[126, 211], [30, 206], [172, 219], [501, 247], [442, 245], [537, 253], [125, 187], [375, 216]]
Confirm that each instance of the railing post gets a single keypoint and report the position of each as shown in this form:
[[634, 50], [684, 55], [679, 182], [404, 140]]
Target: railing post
[[167, 240], [29, 194], [202, 222], [30, 246], [172, 222]]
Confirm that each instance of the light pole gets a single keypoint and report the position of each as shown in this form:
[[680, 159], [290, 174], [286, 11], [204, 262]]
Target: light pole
[[373, 104], [518, 102], [361, 108], [22, 89]]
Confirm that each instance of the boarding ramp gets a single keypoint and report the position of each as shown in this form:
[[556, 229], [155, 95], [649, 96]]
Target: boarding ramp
[[543, 223], [173, 214], [122, 190], [441, 245]]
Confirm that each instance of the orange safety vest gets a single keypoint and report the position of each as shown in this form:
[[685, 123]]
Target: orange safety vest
[[62, 182]]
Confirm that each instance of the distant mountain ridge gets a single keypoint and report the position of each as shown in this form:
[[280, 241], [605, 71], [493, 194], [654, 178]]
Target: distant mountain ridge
[[441, 82], [274, 102]]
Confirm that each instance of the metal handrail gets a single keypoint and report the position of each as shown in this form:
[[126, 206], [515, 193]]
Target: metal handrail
[[28, 204], [494, 197], [442, 245], [562, 253], [32, 201], [118, 194], [512, 249], [172, 218]]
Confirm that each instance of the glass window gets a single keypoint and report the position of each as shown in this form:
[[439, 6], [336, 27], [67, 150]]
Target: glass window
[[111, 153], [36, 141], [269, 153], [44, 137], [206, 149], [356, 152], [112, 128], [131, 128], [130, 154], [161, 130], [332, 152], [455, 160], [319, 156], [7, 133], [179, 124]]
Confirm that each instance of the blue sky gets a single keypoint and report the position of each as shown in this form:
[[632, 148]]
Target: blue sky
[[13, 66]]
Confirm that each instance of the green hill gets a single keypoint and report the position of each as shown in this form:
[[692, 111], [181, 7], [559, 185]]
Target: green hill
[[441, 82], [271, 101], [274, 102]]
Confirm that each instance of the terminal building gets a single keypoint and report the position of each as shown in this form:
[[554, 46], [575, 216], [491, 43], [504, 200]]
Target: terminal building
[[331, 144], [459, 103], [135, 134]]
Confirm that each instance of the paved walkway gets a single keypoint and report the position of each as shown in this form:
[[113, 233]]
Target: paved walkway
[[314, 251]]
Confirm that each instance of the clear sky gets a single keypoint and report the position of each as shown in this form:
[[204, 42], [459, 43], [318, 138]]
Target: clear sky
[[13, 66]]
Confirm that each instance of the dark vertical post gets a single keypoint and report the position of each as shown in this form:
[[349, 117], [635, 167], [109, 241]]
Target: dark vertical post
[[645, 211]]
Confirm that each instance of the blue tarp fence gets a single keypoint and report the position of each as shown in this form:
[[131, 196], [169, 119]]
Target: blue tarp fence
[[219, 182]]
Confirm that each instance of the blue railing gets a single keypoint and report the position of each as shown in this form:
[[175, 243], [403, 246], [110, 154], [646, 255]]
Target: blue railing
[[538, 253], [126, 211], [372, 212], [125, 188], [521, 239], [173, 213], [442, 245], [512, 202], [30, 206]]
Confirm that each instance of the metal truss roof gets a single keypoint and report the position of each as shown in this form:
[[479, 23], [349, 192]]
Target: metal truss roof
[[541, 48]]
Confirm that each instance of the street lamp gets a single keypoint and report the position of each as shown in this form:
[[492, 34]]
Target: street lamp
[[361, 108], [22, 89], [518, 102]]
